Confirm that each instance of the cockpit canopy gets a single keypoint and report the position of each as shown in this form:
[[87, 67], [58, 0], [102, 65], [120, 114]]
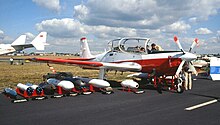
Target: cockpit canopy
[[131, 45]]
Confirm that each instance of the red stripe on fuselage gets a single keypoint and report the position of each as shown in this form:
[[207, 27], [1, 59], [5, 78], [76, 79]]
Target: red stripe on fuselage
[[163, 66]]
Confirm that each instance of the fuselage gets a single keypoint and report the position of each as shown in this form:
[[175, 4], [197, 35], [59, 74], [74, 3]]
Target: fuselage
[[133, 54], [164, 62], [6, 48]]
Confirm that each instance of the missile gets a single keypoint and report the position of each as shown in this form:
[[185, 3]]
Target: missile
[[10, 93], [26, 88], [66, 85], [99, 83], [130, 84], [81, 87], [35, 87]]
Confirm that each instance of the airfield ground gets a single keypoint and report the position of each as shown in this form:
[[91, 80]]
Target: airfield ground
[[11, 75], [119, 108], [149, 108]]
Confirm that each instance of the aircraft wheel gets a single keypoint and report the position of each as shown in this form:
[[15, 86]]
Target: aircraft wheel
[[179, 86]]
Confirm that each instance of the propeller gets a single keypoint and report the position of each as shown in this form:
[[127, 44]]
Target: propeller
[[180, 67], [195, 42], [192, 68], [178, 43], [187, 57]]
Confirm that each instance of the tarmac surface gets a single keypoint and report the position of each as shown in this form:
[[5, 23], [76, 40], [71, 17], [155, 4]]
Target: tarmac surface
[[149, 108]]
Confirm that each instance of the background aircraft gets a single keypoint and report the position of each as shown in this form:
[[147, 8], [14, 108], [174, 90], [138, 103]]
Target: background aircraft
[[124, 57], [19, 44]]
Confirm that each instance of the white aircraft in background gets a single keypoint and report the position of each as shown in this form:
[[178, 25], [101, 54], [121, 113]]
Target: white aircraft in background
[[19, 44], [199, 63]]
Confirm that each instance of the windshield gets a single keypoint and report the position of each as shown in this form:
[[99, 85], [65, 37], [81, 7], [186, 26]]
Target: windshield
[[134, 45], [113, 45]]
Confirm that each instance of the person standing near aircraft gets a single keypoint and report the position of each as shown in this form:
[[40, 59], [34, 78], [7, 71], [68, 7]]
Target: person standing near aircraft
[[11, 60], [188, 77]]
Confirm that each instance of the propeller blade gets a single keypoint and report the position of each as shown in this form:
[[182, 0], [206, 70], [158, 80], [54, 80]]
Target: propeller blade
[[196, 41], [180, 68], [178, 43], [192, 68]]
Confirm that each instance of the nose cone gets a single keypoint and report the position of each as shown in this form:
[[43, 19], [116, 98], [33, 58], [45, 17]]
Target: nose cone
[[188, 56]]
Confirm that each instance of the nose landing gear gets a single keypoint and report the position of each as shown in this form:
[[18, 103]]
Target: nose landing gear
[[179, 85]]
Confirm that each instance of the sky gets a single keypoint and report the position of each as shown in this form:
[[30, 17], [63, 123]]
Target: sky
[[66, 21]]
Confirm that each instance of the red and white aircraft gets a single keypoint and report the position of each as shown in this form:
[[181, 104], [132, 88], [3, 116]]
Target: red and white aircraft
[[124, 55]]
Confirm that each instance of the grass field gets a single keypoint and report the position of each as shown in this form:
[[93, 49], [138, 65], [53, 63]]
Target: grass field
[[11, 75]]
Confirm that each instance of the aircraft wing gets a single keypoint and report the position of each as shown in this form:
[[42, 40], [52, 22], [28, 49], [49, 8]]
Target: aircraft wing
[[122, 66], [80, 59], [67, 61], [21, 47]]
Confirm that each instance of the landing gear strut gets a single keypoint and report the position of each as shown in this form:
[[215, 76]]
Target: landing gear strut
[[173, 83]]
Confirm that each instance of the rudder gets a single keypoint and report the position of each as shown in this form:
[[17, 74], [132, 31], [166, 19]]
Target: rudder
[[85, 51], [40, 41]]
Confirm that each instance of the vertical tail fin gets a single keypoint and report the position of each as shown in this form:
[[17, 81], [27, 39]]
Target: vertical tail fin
[[40, 41], [20, 40], [85, 49]]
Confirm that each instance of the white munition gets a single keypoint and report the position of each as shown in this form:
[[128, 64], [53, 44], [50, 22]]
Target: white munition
[[66, 85], [99, 83], [24, 87], [130, 84]]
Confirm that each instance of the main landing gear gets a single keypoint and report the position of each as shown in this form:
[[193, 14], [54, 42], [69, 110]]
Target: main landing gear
[[168, 83]]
